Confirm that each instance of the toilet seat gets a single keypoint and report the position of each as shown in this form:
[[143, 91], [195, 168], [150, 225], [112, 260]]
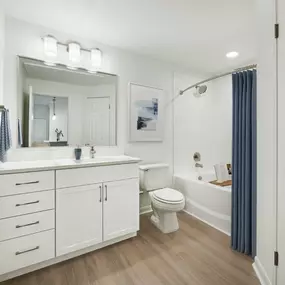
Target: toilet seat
[[168, 196]]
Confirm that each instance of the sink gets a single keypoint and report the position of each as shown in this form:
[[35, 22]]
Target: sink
[[96, 159]]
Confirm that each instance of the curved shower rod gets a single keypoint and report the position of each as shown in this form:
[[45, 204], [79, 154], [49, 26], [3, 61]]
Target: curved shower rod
[[219, 76]]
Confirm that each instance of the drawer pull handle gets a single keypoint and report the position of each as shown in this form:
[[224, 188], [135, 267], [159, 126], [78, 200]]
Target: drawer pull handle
[[106, 193], [100, 187], [27, 183], [27, 225], [28, 250], [28, 203]]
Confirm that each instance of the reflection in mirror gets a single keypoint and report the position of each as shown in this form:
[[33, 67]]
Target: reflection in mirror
[[50, 121], [63, 107]]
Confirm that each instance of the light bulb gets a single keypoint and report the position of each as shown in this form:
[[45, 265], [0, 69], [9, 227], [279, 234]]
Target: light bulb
[[74, 52], [50, 46], [54, 117], [96, 57]]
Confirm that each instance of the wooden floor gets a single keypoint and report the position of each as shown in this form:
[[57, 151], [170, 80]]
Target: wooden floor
[[195, 255]]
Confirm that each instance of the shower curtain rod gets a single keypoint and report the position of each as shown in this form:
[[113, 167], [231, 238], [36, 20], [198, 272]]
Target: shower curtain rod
[[219, 76]]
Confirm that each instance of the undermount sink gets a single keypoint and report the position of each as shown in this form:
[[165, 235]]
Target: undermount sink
[[96, 159]]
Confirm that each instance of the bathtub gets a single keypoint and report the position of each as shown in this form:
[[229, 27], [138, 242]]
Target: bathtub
[[206, 202]]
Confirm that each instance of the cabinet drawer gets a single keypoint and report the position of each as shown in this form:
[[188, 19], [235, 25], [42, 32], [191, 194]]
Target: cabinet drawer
[[19, 183], [26, 224], [17, 205], [24, 251], [92, 175]]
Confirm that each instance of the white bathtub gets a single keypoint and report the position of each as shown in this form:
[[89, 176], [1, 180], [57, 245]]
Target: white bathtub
[[207, 202]]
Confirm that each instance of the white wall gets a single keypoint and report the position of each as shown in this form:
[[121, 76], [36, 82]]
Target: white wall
[[2, 45], [202, 124], [25, 39], [266, 141]]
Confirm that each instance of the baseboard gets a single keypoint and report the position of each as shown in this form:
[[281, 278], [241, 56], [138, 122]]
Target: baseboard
[[260, 272], [209, 224], [145, 210]]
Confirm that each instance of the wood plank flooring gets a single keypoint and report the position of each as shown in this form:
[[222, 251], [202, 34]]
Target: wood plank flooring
[[196, 255]]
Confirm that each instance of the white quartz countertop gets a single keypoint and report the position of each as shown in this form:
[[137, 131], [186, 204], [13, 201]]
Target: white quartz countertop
[[40, 165]]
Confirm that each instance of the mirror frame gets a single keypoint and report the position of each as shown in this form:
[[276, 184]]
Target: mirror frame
[[81, 70]]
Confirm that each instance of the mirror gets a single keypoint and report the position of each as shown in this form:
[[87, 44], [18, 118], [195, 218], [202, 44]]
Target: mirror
[[63, 107]]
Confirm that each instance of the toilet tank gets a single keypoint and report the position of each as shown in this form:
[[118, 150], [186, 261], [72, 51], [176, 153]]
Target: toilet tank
[[154, 176]]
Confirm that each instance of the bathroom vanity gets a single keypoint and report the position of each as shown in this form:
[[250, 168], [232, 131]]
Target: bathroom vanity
[[51, 211]]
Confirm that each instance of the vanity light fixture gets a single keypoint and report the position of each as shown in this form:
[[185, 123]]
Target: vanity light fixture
[[96, 57], [74, 51], [50, 46], [53, 103]]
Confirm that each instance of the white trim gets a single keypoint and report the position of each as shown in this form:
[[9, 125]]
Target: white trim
[[209, 224], [145, 210], [260, 272], [58, 259]]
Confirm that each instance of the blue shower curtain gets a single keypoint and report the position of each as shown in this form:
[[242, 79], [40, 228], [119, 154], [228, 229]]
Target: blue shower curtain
[[243, 236]]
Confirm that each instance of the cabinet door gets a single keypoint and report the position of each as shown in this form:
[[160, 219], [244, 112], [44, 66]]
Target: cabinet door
[[78, 218], [121, 208]]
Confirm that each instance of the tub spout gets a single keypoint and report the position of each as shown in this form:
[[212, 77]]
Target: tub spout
[[200, 165]]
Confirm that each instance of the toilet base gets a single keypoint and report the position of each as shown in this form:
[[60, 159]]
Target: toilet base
[[167, 222]]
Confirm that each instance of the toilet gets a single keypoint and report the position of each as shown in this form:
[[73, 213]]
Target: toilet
[[165, 202]]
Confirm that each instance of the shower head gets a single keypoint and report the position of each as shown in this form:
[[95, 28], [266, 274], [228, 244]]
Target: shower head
[[200, 90]]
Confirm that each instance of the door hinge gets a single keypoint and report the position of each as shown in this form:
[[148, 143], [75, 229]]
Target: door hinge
[[276, 258], [109, 106], [276, 31]]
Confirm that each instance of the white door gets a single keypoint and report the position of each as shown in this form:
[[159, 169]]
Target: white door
[[281, 143], [31, 115], [78, 218], [121, 208], [97, 121]]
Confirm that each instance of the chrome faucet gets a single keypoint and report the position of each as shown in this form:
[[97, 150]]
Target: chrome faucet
[[200, 165], [92, 152]]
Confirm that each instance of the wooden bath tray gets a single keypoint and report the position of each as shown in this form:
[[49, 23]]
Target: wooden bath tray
[[222, 184]]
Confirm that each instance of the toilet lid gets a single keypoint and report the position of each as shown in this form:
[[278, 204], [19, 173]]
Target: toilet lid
[[168, 195]]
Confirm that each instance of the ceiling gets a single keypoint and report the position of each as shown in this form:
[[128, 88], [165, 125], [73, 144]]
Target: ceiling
[[194, 34]]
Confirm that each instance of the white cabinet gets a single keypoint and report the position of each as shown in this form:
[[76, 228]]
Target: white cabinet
[[121, 208], [78, 218], [54, 215], [27, 235], [22, 183], [25, 251], [23, 204], [91, 214], [91, 175]]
